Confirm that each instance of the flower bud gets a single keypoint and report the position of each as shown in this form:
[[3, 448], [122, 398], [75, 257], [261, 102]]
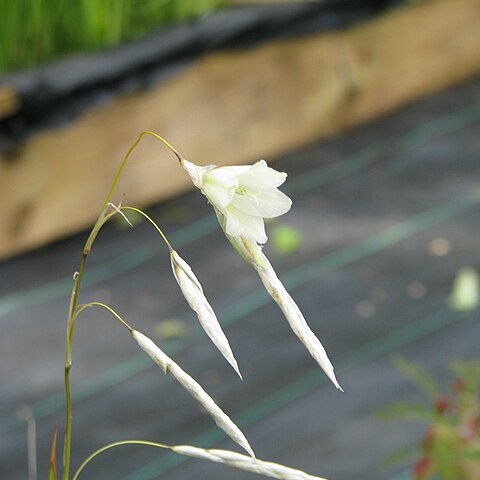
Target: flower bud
[[193, 293]]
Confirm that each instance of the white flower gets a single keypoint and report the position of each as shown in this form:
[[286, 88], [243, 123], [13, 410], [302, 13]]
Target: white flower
[[243, 195]]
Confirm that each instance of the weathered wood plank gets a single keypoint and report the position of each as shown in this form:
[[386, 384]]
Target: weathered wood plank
[[233, 107]]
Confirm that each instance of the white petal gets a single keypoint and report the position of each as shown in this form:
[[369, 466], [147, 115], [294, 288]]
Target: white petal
[[218, 195], [233, 225], [247, 203], [250, 226], [225, 176], [193, 293], [219, 186], [237, 169], [273, 203], [260, 177], [254, 228], [266, 203]]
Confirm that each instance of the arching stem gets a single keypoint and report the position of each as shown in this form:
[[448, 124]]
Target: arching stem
[[159, 230], [113, 445], [81, 308], [105, 214]]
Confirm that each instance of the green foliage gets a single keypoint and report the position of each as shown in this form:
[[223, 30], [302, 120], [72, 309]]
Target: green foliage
[[451, 447], [35, 31]]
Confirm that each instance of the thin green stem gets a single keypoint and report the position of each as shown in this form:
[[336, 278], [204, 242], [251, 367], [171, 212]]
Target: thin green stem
[[103, 217], [159, 230], [68, 364], [127, 156], [73, 313], [113, 445], [81, 308]]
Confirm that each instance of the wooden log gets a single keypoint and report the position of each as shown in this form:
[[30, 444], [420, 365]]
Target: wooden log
[[233, 107]]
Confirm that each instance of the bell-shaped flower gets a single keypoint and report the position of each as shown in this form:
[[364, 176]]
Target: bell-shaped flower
[[243, 195]]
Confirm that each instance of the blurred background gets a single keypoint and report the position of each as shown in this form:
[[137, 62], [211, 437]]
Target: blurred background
[[373, 110]]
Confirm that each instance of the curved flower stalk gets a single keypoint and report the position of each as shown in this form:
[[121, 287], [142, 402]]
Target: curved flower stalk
[[106, 212], [242, 197], [193, 388], [188, 383]]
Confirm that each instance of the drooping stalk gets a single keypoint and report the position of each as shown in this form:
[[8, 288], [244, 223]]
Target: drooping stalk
[[113, 445], [81, 308], [159, 230], [105, 213], [225, 457]]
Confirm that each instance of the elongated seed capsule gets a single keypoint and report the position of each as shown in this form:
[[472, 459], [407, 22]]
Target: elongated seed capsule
[[222, 420], [193, 293], [275, 288], [243, 462]]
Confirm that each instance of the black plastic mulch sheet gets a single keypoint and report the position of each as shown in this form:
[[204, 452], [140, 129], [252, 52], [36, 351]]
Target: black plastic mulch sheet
[[370, 205]]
